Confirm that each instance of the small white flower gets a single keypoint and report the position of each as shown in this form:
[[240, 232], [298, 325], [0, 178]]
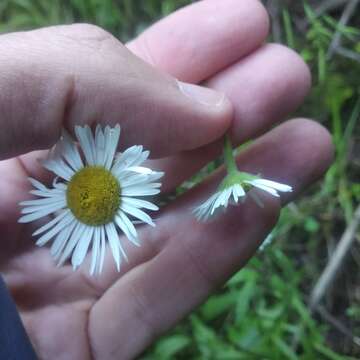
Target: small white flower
[[235, 185], [93, 200]]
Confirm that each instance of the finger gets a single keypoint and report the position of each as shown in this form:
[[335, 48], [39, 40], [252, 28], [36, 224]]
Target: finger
[[264, 88], [207, 35], [198, 257], [43, 89]]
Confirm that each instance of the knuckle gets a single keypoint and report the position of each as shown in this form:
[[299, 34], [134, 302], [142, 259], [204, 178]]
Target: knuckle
[[89, 31], [93, 38], [141, 305]]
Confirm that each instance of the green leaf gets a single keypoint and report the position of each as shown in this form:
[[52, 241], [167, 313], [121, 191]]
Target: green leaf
[[285, 349], [243, 275], [168, 347], [244, 297], [311, 225], [218, 304], [328, 353]]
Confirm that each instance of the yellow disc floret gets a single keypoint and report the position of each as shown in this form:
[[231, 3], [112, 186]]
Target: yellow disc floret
[[93, 195]]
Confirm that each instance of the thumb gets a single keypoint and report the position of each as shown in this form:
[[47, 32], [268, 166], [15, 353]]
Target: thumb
[[61, 76]]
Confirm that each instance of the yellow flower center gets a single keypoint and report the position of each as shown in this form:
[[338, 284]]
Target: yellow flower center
[[93, 195]]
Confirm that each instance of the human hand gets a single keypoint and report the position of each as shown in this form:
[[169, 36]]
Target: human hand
[[79, 74]]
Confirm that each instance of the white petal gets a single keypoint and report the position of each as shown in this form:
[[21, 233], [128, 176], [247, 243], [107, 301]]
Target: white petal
[[95, 250], [59, 167], [151, 175], [116, 235], [58, 186], [140, 190], [51, 223], [81, 248], [38, 185], [87, 143], [127, 227], [237, 191], [42, 202], [70, 152], [61, 239], [39, 214], [113, 239], [111, 142], [265, 188], [54, 204], [222, 199], [58, 227], [102, 250], [139, 203], [100, 146], [49, 194], [137, 213], [140, 170], [202, 212], [240, 190], [79, 231], [143, 156], [132, 179], [155, 175], [139, 158], [91, 141], [273, 184], [132, 156], [129, 178], [124, 159]]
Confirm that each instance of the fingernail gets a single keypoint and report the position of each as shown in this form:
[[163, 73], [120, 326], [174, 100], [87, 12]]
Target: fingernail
[[202, 95]]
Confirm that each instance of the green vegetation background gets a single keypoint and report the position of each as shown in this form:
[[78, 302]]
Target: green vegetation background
[[262, 312]]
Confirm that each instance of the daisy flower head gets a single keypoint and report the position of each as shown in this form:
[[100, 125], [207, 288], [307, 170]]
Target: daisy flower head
[[96, 195], [235, 187]]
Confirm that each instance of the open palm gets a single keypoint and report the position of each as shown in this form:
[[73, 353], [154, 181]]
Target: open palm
[[80, 74]]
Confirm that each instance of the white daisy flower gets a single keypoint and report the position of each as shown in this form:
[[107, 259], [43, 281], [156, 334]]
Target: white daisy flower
[[236, 185], [94, 200]]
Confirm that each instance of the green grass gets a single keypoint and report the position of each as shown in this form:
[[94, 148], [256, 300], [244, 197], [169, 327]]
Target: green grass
[[261, 313]]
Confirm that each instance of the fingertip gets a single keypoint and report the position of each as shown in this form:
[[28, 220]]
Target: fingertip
[[204, 25], [316, 137], [303, 151], [264, 87], [296, 68]]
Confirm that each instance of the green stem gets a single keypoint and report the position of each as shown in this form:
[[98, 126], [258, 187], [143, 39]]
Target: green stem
[[229, 156]]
